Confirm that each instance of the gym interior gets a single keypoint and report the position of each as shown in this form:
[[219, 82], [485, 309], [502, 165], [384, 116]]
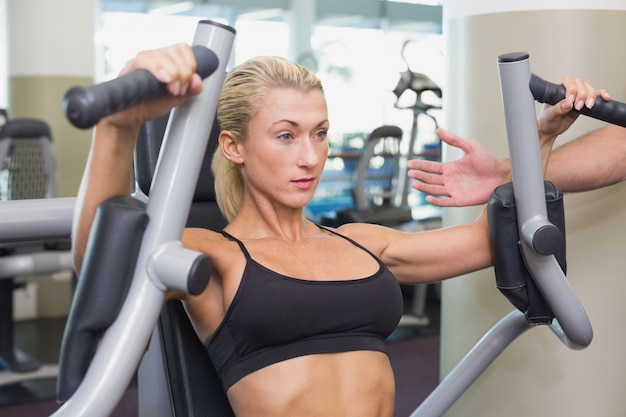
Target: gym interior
[[363, 51]]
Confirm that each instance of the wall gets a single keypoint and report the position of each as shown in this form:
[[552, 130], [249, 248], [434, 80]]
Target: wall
[[537, 375], [49, 48]]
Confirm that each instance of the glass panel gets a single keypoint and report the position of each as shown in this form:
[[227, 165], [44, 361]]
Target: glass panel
[[359, 63], [360, 68]]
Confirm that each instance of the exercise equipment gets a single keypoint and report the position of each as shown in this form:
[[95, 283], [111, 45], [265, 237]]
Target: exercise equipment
[[374, 181], [108, 330], [546, 295], [421, 85], [189, 384], [161, 263], [85, 106], [27, 171]]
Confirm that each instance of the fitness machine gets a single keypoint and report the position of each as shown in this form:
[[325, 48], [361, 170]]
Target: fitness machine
[[117, 344], [122, 289], [526, 221]]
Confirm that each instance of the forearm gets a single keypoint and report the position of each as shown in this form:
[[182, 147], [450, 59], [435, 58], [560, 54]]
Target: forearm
[[593, 161], [107, 174]]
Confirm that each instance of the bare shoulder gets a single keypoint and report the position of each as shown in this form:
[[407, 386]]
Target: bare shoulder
[[383, 240], [374, 237], [203, 240]]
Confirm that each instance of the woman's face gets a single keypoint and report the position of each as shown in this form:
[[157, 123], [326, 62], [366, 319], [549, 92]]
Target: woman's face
[[286, 148]]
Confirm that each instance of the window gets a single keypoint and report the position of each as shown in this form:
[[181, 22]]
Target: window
[[358, 62]]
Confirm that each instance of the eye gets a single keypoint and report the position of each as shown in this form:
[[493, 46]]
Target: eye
[[321, 134], [285, 136]]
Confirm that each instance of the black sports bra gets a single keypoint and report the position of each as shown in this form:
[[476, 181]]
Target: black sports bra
[[274, 318]]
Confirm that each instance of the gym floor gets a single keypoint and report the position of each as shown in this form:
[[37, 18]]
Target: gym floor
[[414, 355]]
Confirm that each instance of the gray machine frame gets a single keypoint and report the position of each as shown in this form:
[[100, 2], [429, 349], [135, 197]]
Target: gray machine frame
[[571, 326], [163, 263]]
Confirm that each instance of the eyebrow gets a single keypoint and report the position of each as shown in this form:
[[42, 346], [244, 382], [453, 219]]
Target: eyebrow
[[291, 122], [294, 123]]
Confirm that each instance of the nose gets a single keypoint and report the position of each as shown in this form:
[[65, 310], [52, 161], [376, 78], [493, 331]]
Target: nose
[[310, 153]]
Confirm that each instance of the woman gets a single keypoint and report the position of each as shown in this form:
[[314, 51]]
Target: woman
[[295, 315]]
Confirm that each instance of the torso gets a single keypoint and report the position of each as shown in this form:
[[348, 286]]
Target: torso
[[350, 384], [314, 381]]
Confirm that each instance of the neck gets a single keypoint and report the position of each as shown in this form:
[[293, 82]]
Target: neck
[[258, 222]]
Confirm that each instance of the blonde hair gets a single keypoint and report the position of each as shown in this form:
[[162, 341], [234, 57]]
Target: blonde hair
[[241, 98]]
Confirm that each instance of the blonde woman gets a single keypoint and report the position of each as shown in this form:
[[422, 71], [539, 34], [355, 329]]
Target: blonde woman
[[295, 315]]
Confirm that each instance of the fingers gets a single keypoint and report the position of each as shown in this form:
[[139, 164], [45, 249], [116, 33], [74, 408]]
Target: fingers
[[427, 176], [453, 139], [424, 165], [430, 189], [437, 195], [579, 94], [605, 95], [428, 179], [174, 65]]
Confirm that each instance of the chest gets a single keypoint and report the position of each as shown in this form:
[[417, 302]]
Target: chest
[[267, 301], [320, 259]]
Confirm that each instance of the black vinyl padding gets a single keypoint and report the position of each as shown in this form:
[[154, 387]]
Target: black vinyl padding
[[25, 128], [107, 271], [512, 276], [195, 387], [106, 275], [147, 153]]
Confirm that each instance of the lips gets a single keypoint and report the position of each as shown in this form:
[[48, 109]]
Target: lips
[[304, 182]]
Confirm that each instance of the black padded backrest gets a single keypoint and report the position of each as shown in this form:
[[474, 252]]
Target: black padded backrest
[[196, 390], [204, 211]]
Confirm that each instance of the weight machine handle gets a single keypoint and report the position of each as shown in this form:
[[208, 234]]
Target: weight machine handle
[[608, 111], [85, 106]]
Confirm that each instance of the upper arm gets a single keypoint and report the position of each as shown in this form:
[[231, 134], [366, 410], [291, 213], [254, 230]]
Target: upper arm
[[427, 256]]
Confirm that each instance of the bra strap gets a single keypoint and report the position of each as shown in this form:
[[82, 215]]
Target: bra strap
[[239, 242], [355, 243]]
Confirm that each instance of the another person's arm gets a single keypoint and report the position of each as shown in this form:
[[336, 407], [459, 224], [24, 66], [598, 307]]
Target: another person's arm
[[471, 179], [595, 160]]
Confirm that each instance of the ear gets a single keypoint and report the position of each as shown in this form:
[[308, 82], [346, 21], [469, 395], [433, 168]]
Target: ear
[[230, 147]]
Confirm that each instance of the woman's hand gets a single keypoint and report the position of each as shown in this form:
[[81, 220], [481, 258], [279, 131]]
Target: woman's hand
[[554, 120], [174, 66]]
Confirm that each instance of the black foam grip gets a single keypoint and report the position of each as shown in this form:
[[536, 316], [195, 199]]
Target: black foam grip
[[608, 111], [85, 106]]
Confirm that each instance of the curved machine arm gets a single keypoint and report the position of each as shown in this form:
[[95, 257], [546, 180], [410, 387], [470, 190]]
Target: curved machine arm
[[125, 341], [535, 229], [539, 237]]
